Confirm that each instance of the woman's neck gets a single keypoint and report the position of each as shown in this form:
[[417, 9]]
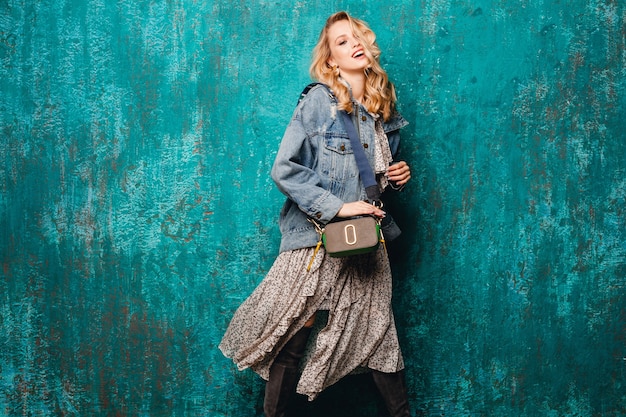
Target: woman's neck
[[356, 84]]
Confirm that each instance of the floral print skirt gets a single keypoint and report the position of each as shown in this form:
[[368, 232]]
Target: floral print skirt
[[358, 334]]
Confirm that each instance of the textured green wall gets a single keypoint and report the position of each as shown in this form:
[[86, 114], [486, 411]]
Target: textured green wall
[[136, 209]]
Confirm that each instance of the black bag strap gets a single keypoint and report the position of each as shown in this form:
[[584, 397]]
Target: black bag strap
[[365, 170]]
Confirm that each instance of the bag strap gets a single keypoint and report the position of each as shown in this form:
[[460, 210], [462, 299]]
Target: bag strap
[[306, 90], [365, 169]]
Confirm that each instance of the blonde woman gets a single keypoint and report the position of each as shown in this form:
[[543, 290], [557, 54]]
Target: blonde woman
[[316, 169]]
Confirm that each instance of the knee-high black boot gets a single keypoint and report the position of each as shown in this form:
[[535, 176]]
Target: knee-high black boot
[[392, 387], [284, 374]]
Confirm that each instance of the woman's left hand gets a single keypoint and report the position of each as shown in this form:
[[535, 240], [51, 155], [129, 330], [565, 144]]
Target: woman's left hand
[[399, 173]]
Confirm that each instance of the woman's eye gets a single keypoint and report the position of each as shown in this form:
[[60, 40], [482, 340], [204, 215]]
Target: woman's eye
[[342, 42]]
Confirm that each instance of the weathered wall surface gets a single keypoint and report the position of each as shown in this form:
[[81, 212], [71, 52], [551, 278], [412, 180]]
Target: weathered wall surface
[[136, 209]]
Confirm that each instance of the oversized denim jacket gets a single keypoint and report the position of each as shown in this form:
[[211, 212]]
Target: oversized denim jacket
[[315, 167]]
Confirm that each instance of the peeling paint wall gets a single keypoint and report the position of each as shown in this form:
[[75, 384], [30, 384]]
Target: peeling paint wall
[[137, 212]]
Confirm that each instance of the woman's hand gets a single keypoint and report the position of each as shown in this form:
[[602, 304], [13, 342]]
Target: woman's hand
[[399, 173], [359, 208]]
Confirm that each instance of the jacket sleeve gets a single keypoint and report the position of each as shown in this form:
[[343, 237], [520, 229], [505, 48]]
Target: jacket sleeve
[[392, 129], [394, 142], [293, 169]]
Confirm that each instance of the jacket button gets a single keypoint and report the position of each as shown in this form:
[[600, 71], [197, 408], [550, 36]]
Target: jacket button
[[343, 147], [363, 118], [318, 215], [365, 145]]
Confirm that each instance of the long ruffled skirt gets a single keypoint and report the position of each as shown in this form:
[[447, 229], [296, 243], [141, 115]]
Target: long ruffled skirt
[[359, 334]]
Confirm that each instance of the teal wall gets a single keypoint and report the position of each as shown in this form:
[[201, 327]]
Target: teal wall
[[136, 209]]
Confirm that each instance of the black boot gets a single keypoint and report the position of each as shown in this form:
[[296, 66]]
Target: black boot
[[392, 387], [284, 374]]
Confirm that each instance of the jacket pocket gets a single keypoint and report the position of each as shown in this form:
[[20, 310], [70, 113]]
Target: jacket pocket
[[338, 161]]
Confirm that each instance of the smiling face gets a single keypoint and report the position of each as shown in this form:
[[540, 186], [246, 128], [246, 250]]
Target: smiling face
[[346, 51]]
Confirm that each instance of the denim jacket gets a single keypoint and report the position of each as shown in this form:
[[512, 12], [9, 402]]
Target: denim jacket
[[315, 167]]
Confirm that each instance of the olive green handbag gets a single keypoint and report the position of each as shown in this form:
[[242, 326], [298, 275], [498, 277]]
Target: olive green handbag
[[351, 236], [347, 237]]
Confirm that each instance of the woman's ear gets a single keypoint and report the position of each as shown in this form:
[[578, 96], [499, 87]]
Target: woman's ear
[[330, 63]]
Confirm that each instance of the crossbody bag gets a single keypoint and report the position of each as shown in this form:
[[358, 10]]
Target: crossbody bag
[[360, 234]]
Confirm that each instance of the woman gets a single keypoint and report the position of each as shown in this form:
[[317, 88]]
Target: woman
[[316, 169]]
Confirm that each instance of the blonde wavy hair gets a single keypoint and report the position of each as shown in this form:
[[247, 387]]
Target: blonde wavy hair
[[380, 94]]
